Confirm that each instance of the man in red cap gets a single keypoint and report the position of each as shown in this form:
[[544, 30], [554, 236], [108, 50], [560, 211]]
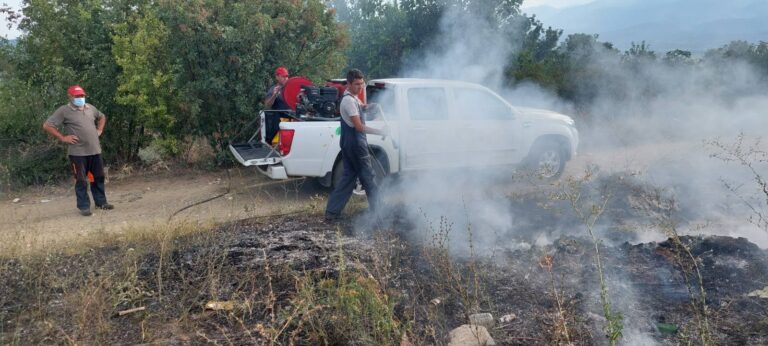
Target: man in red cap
[[274, 101], [83, 124]]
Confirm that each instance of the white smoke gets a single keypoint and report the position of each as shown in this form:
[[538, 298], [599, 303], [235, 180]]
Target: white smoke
[[656, 130], [468, 49]]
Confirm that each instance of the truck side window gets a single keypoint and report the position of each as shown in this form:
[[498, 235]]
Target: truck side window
[[427, 104], [481, 105], [384, 100]]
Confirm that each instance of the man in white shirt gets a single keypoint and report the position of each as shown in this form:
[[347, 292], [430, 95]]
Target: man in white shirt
[[354, 150]]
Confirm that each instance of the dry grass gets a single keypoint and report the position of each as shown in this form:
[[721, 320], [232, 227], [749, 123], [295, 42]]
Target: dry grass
[[378, 290], [73, 293]]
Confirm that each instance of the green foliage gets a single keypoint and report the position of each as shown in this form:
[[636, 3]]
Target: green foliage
[[159, 150], [359, 311], [161, 71], [145, 83], [224, 55], [69, 42], [352, 308], [741, 51], [380, 38], [538, 59], [678, 57], [640, 51], [174, 69], [27, 156], [386, 34]]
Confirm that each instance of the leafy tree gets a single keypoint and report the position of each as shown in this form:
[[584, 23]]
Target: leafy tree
[[741, 51], [224, 54], [146, 79], [583, 76], [69, 42], [678, 57], [158, 69], [380, 36], [640, 51], [387, 34], [538, 59]]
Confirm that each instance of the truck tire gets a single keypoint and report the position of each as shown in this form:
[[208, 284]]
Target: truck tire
[[379, 169], [547, 161]]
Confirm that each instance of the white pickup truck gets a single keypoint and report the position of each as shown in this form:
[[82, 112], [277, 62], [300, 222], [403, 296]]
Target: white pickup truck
[[434, 124]]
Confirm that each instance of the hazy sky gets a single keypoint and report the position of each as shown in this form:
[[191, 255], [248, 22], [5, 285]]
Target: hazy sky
[[4, 31], [554, 3]]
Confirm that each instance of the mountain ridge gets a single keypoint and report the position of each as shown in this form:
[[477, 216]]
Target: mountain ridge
[[684, 24]]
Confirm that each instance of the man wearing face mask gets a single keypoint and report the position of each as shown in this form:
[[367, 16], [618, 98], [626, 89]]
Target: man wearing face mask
[[83, 124]]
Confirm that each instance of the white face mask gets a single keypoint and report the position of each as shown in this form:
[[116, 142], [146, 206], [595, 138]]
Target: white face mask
[[78, 101]]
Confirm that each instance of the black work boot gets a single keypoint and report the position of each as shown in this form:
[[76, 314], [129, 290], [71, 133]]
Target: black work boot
[[85, 212], [106, 206], [332, 218]]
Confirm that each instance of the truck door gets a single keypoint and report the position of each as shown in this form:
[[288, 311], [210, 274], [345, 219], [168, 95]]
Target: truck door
[[490, 132], [427, 132]]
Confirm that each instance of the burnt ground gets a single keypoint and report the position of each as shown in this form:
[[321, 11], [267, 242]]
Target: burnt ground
[[299, 280]]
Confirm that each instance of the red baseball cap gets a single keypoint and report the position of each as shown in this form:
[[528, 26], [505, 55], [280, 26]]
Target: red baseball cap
[[281, 71], [76, 90]]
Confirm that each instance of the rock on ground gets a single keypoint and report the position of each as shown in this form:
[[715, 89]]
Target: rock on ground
[[469, 335]]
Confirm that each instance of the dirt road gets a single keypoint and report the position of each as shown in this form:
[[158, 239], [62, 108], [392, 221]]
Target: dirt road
[[45, 216], [48, 215]]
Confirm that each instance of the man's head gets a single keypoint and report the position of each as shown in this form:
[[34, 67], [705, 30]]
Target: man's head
[[76, 95], [281, 74], [76, 91], [355, 81]]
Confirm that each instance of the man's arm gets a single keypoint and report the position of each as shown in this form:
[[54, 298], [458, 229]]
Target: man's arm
[[270, 99], [69, 139], [102, 122]]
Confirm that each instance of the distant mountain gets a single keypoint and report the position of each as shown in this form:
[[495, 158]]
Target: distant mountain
[[695, 25]]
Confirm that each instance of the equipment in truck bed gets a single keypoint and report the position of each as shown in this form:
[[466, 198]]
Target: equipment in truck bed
[[307, 103]]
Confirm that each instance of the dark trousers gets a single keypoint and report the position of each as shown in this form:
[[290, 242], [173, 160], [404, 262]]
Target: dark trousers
[[87, 168], [272, 123], [357, 164]]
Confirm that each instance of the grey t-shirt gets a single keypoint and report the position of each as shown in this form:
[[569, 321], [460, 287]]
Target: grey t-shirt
[[350, 107], [279, 103], [81, 123]]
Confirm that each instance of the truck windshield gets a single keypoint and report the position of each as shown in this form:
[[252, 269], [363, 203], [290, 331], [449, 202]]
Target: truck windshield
[[382, 96]]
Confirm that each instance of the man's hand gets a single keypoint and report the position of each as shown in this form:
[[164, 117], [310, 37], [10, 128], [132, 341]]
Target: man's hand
[[270, 100], [99, 132], [70, 139]]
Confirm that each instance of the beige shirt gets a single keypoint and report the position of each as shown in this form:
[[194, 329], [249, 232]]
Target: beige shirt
[[350, 107], [81, 123]]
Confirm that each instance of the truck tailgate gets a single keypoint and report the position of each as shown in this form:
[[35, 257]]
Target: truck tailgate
[[255, 154]]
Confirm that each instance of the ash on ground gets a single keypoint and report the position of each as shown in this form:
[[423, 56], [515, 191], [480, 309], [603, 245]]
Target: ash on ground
[[299, 280]]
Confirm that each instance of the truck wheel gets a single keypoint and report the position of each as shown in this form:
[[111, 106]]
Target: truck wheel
[[378, 169], [547, 161]]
